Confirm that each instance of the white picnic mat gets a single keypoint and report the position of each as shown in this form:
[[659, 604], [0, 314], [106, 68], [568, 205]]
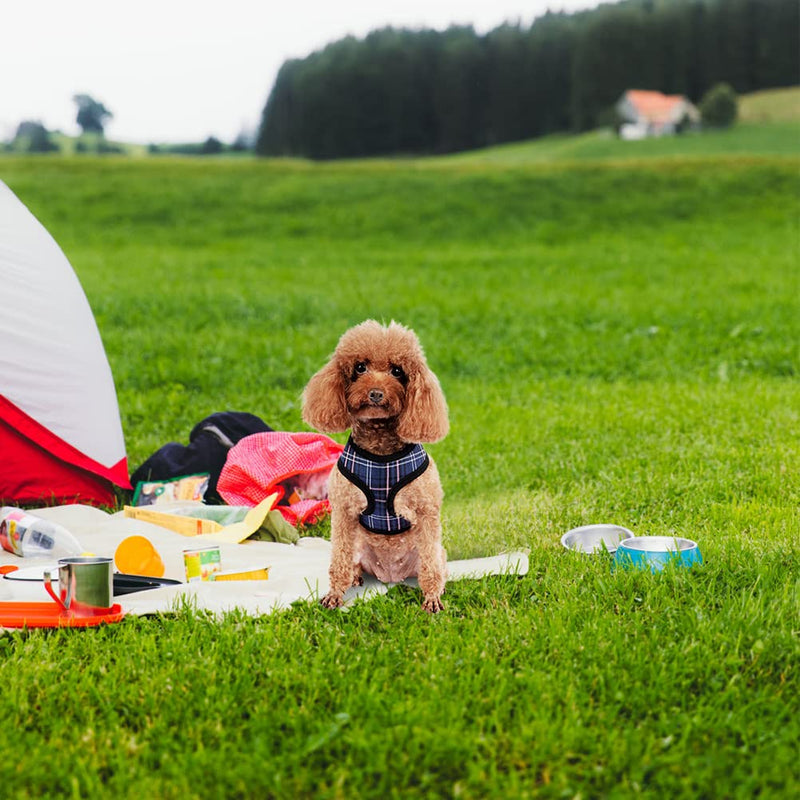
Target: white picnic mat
[[297, 572]]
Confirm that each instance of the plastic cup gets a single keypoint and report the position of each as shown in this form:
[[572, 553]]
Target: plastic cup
[[137, 556]]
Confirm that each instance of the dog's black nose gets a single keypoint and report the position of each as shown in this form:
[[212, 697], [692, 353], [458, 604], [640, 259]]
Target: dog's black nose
[[375, 396]]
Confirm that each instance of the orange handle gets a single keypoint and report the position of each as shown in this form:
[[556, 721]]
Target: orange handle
[[49, 589]]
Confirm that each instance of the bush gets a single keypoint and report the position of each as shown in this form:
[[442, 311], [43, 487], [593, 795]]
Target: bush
[[104, 146], [719, 106], [211, 146], [33, 137]]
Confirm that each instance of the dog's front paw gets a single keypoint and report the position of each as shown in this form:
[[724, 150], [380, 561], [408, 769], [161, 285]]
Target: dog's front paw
[[332, 600], [432, 604]]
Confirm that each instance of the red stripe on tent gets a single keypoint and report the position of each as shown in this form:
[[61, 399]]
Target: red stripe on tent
[[32, 476], [35, 460]]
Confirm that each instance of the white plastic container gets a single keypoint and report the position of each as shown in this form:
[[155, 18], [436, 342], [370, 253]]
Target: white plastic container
[[27, 535]]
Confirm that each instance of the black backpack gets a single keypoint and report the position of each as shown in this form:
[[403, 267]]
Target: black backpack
[[209, 443]]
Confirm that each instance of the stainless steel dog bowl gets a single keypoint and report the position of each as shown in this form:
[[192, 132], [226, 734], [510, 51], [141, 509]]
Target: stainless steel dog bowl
[[595, 538]]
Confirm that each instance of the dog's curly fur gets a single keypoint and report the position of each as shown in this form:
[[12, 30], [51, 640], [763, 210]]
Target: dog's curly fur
[[378, 385]]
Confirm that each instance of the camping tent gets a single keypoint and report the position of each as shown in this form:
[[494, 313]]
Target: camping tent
[[60, 431]]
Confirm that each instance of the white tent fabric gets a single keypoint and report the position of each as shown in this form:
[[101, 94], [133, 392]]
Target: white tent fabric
[[53, 366]]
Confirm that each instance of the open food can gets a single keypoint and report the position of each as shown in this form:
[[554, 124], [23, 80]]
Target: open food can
[[201, 563]]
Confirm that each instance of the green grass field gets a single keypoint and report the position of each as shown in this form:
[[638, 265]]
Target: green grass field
[[618, 341]]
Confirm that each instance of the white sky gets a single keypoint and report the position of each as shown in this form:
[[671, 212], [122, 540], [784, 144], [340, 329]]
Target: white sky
[[183, 70]]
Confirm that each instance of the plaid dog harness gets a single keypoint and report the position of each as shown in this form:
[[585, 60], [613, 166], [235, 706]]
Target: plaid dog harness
[[381, 478]]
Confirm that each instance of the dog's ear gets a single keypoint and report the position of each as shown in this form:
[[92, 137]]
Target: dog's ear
[[324, 406], [424, 418]]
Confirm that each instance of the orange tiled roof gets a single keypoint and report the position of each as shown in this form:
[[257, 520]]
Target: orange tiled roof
[[654, 106]]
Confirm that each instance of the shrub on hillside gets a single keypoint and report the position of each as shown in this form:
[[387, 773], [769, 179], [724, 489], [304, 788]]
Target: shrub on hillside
[[719, 106]]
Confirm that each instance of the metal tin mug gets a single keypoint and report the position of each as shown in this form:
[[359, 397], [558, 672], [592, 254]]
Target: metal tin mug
[[85, 583]]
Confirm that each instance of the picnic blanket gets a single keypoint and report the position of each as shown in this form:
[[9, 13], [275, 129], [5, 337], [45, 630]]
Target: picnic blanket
[[298, 572]]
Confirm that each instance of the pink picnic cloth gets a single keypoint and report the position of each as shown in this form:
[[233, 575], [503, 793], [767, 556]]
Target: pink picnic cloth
[[263, 463]]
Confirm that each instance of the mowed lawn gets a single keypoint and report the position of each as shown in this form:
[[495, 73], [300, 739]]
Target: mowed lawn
[[618, 342]]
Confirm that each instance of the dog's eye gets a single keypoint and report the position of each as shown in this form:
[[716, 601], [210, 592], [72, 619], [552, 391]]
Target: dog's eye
[[398, 372], [360, 368]]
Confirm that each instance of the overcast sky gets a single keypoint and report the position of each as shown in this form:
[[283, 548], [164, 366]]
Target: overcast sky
[[184, 70]]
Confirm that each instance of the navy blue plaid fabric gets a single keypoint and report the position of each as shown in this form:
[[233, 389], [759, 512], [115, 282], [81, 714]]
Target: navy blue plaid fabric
[[381, 478]]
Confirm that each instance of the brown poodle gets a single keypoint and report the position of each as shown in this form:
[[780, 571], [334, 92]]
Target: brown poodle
[[385, 492]]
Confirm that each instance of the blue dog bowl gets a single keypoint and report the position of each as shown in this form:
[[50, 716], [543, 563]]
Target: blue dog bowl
[[656, 552]]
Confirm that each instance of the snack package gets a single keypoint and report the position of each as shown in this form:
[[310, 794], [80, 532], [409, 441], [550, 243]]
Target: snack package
[[185, 487]]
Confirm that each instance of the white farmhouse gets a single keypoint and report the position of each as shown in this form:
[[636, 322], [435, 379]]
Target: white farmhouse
[[647, 113]]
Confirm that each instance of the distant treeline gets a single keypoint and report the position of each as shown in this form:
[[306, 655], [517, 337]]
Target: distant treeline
[[403, 91]]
